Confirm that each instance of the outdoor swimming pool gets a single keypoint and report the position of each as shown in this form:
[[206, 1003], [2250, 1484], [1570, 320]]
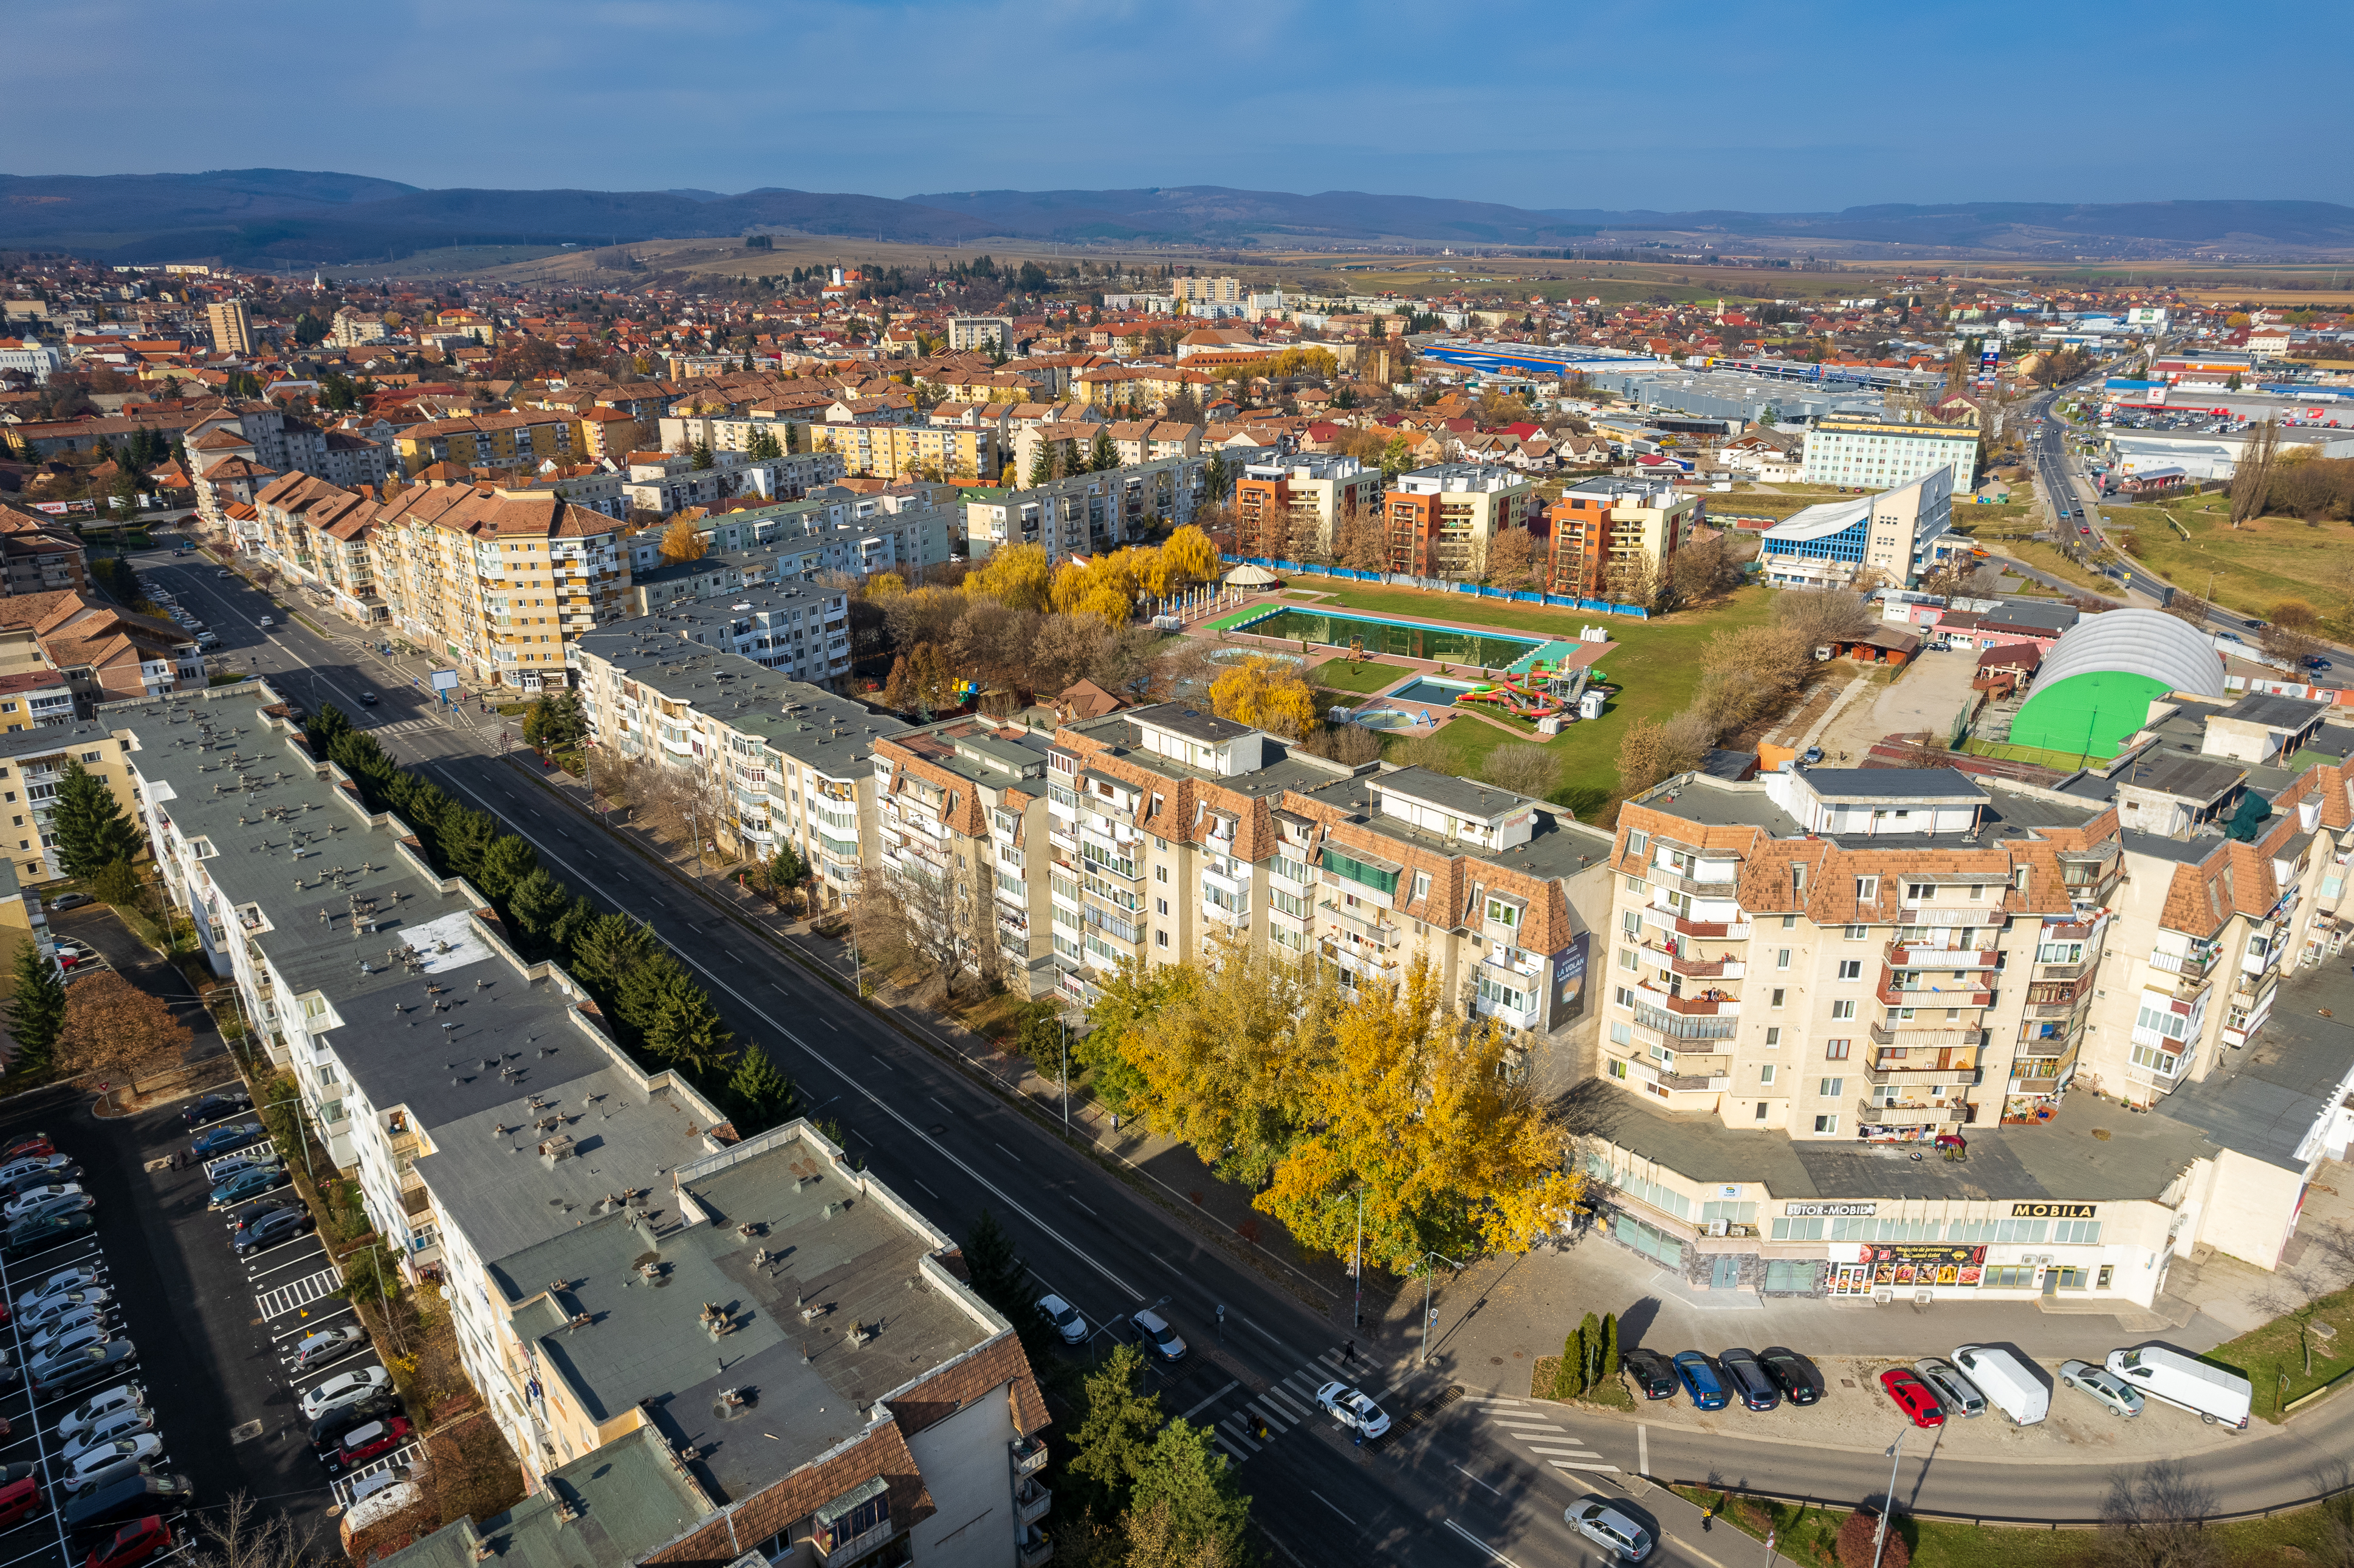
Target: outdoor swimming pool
[[1428, 693], [1478, 650]]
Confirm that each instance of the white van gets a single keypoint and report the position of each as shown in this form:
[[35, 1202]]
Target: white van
[[2209, 1392], [2006, 1381]]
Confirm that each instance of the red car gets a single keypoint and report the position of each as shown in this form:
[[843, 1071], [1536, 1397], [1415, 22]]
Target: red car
[[1914, 1397], [36, 1145], [372, 1441], [18, 1499], [134, 1542]]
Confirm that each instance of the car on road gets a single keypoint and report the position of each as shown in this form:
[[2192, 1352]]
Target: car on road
[[70, 901], [368, 699], [207, 639], [370, 1440], [1152, 1330], [99, 1406], [1812, 755], [2120, 1397], [212, 1107], [81, 1276], [347, 1388], [317, 1350], [95, 1364], [1700, 1381], [265, 622], [1599, 1520], [276, 1227], [38, 1235], [251, 1182], [1068, 1324], [1800, 1381], [224, 574], [23, 1205], [1914, 1398], [1353, 1409], [1749, 1380], [51, 1309], [136, 1542], [1652, 1372], [1958, 1394], [127, 1421], [221, 1139], [2231, 637], [113, 1461], [2316, 661]]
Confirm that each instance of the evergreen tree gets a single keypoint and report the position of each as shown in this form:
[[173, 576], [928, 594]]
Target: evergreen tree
[[649, 988], [762, 1096], [565, 932], [325, 727], [609, 950], [1102, 458], [1573, 1357], [787, 868], [1109, 1449], [687, 1032], [994, 1271], [763, 443], [92, 832], [358, 753], [1042, 463], [1589, 1337], [505, 862], [535, 903], [1183, 1473], [466, 835], [36, 1010]]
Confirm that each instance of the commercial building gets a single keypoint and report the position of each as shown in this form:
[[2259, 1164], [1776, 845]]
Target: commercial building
[[231, 327], [2097, 684], [1894, 536], [1083, 513], [1442, 518], [873, 449], [1609, 535], [780, 761], [1879, 454], [539, 1170], [1297, 505]]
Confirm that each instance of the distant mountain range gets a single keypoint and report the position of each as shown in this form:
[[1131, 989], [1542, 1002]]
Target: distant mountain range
[[256, 216]]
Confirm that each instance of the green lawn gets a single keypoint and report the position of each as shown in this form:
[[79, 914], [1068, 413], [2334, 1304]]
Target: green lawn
[[1346, 675], [1655, 668], [1803, 1536], [2271, 1358], [2251, 568]]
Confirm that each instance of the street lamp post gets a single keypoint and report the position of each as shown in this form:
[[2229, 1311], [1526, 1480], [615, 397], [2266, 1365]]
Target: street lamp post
[[301, 1131], [1427, 1308], [1880, 1536]]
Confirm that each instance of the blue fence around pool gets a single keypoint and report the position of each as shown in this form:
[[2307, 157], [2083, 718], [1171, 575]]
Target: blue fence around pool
[[1440, 585]]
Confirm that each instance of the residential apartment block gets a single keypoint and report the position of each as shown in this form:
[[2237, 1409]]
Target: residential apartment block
[[786, 761], [34, 761], [1296, 505], [1442, 518], [521, 439], [1602, 530], [487, 1170], [1896, 535], [868, 449], [1876, 454], [231, 327], [669, 482], [981, 332], [1085, 512]]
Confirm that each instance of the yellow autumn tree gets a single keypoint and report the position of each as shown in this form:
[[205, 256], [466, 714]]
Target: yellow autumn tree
[[1187, 556], [1015, 576], [682, 541], [1264, 693], [1106, 587], [885, 585], [1412, 1106]]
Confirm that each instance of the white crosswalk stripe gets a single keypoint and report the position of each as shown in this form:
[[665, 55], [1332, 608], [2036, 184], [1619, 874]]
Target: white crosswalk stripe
[[300, 1293], [1286, 1404], [1568, 1465], [1546, 1440]]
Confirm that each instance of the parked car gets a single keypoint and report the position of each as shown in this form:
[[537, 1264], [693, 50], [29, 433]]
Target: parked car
[[31, 1145], [1957, 1394], [71, 1332], [51, 1309], [1914, 1397], [137, 1541], [1352, 1409], [261, 1206], [54, 1176], [18, 1501], [221, 1139], [228, 1165], [21, 1205], [324, 1345], [1748, 1379], [38, 1235], [327, 1431], [1800, 1381], [1812, 755], [130, 1499], [70, 901], [2110, 1391], [56, 1206], [127, 1421], [60, 1352], [81, 1276], [345, 1389], [85, 1368], [34, 1167], [212, 1107], [371, 1440], [1652, 1372], [1152, 1330], [1700, 1381], [1599, 1520], [138, 1449], [70, 954], [98, 1406], [278, 1225], [1066, 1318], [251, 1182]]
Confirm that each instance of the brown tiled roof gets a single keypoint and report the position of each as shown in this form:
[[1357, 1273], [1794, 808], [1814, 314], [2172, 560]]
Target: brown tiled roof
[[884, 1452]]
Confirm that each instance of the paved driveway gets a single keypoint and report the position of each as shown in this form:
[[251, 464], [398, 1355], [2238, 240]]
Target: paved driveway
[[1926, 696]]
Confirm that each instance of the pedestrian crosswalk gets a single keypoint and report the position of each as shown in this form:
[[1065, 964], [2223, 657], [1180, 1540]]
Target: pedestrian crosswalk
[[300, 1293], [404, 726], [1535, 1428], [1286, 1402]]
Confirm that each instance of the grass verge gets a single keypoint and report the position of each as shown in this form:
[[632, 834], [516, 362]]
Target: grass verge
[[2272, 1358], [2252, 568], [1347, 675]]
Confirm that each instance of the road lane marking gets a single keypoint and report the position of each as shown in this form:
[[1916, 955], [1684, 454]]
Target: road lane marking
[[1008, 1154], [1643, 1450], [1336, 1508], [1474, 1480], [1574, 1465], [1482, 1546], [1212, 1400]]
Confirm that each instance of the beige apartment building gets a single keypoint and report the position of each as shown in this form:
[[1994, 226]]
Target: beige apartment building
[[896, 451], [1606, 529], [231, 327], [1443, 517], [1297, 504]]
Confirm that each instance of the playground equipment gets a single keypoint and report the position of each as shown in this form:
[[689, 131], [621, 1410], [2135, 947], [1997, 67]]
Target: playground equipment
[[1544, 691]]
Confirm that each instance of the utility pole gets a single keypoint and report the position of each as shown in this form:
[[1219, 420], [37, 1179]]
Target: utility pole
[[1429, 1312], [1357, 1265], [1880, 1536]]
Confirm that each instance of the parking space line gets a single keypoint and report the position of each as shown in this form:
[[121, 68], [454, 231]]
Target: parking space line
[[300, 1293], [304, 1331]]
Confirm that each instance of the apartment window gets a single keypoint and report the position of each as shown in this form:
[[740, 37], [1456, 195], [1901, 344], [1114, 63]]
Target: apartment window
[[1789, 922], [1637, 842], [1617, 1068], [1761, 1110], [1777, 998], [2150, 1058], [1634, 885], [1829, 1088], [1858, 933], [1631, 923], [1797, 884], [1160, 938], [1623, 997], [1977, 892], [1867, 888], [1843, 1009], [1628, 961], [1160, 874], [1421, 887], [2018, 879], [1160, 906], [1774, 1038], [1621, 1033], [1765, 1076], [1826, 1126], [1781, 958], [1837, 1050], [1921, 892], [1851, 968]]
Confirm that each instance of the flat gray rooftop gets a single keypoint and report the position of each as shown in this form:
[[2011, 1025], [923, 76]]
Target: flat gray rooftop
[[834, 735], [1561, 846], [627, 1497], [2271, 1093]]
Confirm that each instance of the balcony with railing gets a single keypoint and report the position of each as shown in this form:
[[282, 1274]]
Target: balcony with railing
[[1708, 930], [1921, 1113], [1029, 1455], [1684, 882], [1911, 989], [1032, 1501], [1373, 932], [1917, 955], [1897, 1063], [1722, 966], [1707, 1004], [1924, 1039]]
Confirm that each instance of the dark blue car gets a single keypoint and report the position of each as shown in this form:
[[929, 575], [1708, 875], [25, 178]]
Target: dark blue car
[[247, 1184], [221, 1139], [1700, 1380]]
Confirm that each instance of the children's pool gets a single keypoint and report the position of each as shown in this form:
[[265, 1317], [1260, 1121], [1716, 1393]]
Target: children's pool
[[1428, 693], [1408, 639]]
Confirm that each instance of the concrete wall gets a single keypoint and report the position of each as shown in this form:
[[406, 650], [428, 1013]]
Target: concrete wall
[[967, 1464]]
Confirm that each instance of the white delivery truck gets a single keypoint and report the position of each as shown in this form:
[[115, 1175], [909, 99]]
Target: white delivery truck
[[2208, 1391], [2006, 1381]]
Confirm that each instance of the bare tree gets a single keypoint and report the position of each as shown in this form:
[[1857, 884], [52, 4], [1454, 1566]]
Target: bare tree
[[239, 1534], [2251, 477], [2151, 1519], [1523, 768], [2189, 606]]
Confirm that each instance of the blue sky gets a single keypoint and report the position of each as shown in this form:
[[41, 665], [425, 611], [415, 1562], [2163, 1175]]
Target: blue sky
[[1614, 105]]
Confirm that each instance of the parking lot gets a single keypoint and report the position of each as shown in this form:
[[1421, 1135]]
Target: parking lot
[[216, 1333]]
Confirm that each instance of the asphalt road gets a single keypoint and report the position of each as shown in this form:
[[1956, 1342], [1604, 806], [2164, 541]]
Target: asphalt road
[[1473, 1481]]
